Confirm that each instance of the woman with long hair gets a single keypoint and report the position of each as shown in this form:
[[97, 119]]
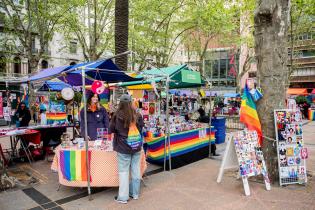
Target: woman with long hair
[[97, 116], [127, 126]]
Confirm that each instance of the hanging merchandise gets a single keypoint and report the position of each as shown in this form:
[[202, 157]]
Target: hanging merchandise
[[292, 154], [152, 108], [67, 94], [98, 87]]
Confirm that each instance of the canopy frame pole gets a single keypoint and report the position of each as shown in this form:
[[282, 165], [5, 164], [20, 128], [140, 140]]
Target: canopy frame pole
[[85, 133], [210, 120], [167, 130]]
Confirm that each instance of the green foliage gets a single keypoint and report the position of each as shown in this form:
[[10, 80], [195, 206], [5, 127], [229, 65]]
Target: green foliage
[[29, 20], [91, 23], [155, 28], [301, 99]]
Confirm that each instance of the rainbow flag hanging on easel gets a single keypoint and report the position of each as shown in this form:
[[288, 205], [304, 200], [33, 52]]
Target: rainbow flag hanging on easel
[[73, 165]]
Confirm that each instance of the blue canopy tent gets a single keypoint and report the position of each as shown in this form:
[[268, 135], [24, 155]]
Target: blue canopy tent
[[99, 70], [104, 70], [53, 86], [232, 95], [46, 73]]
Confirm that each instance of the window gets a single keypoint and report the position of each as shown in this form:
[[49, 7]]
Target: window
[[215, 69], [33, 45], [2, 64], [223, 67], [73, 47], [17, 65], [44, 64], [308, 53], [252, 74]]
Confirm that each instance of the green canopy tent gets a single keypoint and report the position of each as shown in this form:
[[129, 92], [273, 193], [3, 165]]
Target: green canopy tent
[[181, 76], [173, 77]]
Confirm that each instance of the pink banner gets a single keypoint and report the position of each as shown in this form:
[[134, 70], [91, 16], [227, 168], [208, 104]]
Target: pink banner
[[1, 105]]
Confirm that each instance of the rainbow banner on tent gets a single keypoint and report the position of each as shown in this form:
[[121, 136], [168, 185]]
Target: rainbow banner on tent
[[53, 118], [311, 114], [249, 115], [73, 165], [104, 98], [181, 143]]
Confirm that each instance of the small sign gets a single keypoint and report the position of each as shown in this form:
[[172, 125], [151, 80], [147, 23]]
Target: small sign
[[98, 87]]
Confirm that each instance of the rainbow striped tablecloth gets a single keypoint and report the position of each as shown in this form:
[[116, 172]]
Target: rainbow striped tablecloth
[[311, 114], [181, 143]]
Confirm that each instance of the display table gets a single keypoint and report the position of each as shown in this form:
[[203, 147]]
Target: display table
[[186, 147], [311, 114], [17, 134], [104, 168]]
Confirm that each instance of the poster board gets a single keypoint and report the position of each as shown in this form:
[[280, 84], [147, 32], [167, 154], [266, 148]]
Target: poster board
[[243, 152], [291, 152]]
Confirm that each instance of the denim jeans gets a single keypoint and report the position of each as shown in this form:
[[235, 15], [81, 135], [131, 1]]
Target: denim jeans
[[125, 162]]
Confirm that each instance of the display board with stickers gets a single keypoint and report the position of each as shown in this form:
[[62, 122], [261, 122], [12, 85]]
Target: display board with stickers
[[249, 154], [292, 154], [243, 152]]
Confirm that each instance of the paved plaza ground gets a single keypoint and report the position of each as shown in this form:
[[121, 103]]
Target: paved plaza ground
[[191, 187]]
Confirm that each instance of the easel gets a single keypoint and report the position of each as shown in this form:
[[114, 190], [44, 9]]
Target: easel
[[230, 161]]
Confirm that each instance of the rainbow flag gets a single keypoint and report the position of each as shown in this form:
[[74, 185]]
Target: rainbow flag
[[104, 98], [73, 165], [249, 115], [181, 143], [56, 117], [311, 114], [25, 97]]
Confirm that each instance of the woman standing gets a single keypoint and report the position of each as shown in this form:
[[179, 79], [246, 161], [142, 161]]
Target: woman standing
[[127, 126], [97, 117]]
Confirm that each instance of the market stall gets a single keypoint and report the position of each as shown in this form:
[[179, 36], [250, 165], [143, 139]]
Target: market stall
[[88, 160], [171, 139]]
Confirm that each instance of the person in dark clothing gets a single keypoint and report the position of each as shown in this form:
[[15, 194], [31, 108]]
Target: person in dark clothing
[[97, 117], [23, 115], [203, 118], [127, 126]]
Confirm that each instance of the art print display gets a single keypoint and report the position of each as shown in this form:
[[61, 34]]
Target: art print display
[[249, 154], [152, 108], [290, 147], [145, 108]]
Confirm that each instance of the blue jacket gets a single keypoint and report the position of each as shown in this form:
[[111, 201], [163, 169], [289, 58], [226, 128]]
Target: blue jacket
[[97, 119]]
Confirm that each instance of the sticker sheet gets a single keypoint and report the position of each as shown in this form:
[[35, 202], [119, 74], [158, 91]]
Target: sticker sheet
[[290, 147]]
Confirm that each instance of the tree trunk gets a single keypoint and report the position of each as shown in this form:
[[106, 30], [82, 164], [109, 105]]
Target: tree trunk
[[121, 32], [271, 24]]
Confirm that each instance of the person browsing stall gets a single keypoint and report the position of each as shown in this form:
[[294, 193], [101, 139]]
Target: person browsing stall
[[97, 116], [127, 126], [23, 115]]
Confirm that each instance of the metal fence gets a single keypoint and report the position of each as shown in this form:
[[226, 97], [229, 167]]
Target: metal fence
[[233, 122]]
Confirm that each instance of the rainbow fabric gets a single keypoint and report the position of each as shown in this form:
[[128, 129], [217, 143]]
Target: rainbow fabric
[[311, 114], [73, 165], [56, 117], [134, 139], [249, 115], [181, 143], [104, 98]]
